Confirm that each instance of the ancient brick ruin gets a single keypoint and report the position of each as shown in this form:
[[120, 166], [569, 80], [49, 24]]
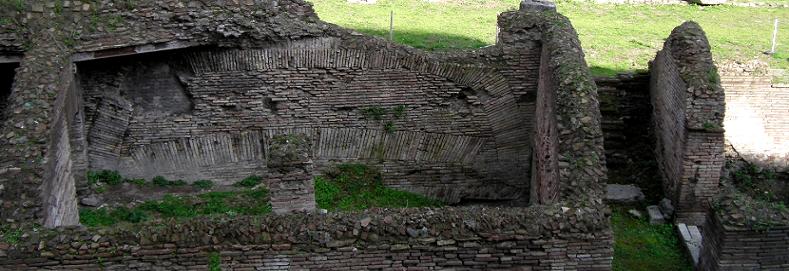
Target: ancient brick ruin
[[211, 90], [219, 90], [685, 98]]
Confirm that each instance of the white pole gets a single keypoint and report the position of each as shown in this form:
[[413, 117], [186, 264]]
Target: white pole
[[775, 36], [391, 25]]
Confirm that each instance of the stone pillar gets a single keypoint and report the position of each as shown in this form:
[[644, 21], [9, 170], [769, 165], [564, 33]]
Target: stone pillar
[[291, 173]]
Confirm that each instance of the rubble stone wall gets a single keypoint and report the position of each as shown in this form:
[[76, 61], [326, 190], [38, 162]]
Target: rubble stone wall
[[688, 105], [542, 237]]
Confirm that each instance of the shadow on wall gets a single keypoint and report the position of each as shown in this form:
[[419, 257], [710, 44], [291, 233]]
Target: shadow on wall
[[428, 40]]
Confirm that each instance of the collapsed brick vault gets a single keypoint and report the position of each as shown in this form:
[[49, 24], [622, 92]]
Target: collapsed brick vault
[[200, 90]]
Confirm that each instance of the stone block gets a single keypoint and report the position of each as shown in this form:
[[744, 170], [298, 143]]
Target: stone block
[[618, 193], [655, 216], [538, 5]]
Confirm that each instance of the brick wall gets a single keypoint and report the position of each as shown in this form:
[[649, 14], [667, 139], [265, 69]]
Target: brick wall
[[460, 127], [727, 247], [627, 119], [757, 125], [688, 112], [540, 238], [572, 232]]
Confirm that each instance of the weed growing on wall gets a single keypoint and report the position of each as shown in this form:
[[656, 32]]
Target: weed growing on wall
[[245, 202], [214, 262], [203, 184], [109, 177], [759, 183], [349, 187], [10, 235], [250, 181]]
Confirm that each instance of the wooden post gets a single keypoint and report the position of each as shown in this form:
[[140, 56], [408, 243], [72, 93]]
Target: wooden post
[[775, 37], [391, 25]]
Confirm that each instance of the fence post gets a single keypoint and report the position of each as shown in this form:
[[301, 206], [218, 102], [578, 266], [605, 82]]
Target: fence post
[[391, 25]]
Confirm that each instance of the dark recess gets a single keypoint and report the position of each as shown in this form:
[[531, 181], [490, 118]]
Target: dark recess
[[7, 73]]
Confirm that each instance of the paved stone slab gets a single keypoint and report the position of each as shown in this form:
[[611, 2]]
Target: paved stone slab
[[691, 238], [618, 193]]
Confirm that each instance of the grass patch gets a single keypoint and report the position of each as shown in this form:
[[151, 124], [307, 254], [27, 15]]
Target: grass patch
[[246, 202], [350, 187], [163, 182], [203, 184], [615, 38], [249, 182], [642, 246], [214, 262], [109, 177]]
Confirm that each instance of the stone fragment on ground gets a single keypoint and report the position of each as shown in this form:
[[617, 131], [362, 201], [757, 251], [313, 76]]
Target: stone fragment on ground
[[634, 213], [691, 238], [91, 201], [655, 216], [666, 208], [618, 193]]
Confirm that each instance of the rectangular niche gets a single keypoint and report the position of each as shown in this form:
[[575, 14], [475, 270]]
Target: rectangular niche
[[7, 73]]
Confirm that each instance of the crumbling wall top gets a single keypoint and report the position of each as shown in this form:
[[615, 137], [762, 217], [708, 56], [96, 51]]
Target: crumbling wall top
[[690, 51]]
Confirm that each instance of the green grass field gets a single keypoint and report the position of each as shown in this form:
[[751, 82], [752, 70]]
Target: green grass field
[[615, 38]]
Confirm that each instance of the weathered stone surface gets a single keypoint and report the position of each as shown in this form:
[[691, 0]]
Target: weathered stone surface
[[684, 85], [442, 239], [477, 108], [623, 193], [733, 237], [635, 213], [91, 201], [655, 216], [666, 208], [538, 5]]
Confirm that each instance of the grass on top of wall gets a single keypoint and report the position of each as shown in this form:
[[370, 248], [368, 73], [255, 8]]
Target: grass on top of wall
[[639, 245], [615, 38], [247, 202], [349, 187]]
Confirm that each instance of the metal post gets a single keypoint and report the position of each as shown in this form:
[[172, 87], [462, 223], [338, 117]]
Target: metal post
[[391, 25], [775, 37]]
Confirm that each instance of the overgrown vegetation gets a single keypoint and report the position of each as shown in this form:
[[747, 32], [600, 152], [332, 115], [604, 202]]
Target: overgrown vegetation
[[380, 114], [615, 38], [249, 182], [10, 235], [759, 183], [109, 177], [249, 201], [349, 187], [100, 179], [214, 262], [642, 246], [203, 184]]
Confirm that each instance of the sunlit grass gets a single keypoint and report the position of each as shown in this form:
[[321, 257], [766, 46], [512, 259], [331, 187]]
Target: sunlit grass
[[615, 38]]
